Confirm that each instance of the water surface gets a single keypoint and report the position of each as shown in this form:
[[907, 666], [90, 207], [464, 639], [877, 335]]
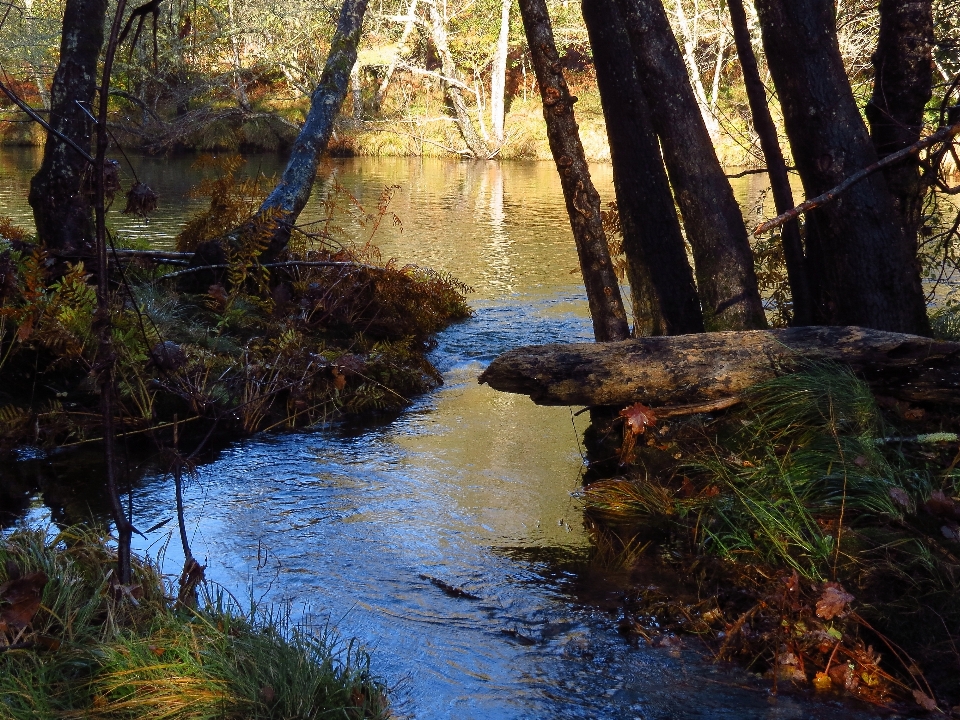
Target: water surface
[[468, 486]]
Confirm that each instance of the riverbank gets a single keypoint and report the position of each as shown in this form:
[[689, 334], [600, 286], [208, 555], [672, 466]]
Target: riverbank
[[74, 643], [413, 124], [811, 532], [331, 330]]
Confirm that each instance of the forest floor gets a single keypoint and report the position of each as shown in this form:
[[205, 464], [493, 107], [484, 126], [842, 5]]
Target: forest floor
[[812, 532]]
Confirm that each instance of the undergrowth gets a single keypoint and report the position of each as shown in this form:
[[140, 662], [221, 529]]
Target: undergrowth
[[330, 330], [824, 527], [75, 644]]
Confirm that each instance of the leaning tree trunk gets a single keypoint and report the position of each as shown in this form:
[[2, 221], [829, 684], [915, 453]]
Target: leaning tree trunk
[[61, 191], [664, 294], [721, 251], [583, 201], [438, 33], [902, 86], [776, 165], [860, 266], [289, 197]]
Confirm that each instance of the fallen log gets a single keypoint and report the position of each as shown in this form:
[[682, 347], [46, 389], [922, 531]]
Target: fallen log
[[706, 370]]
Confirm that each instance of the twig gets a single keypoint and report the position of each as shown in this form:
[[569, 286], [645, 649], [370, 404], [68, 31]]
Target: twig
[[944, 134], [757, 171]]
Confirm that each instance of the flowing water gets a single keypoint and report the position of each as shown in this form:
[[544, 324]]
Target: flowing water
[[468, 487]]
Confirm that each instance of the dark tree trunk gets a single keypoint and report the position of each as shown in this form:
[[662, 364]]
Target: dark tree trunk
[[722, 256], [776, 166], [292, 192], [583, 201], [61, 191], [902, 87], [664, 294], [860, 267]]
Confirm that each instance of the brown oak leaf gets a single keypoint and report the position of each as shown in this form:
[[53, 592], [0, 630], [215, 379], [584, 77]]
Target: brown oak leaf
[[832, 601], [20, 599], [638, 417]]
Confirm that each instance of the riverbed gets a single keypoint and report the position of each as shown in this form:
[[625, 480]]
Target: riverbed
[[368, 527]]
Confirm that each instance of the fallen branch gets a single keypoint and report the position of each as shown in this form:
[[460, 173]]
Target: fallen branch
[[686, 374], [944, 134]]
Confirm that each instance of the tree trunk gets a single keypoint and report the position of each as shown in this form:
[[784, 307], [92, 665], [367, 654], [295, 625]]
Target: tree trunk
[[292, 192], [776, 166], [438, 33], [61, 191], [689, 44], [664, 295], [408, 22], [722, 256], [700, 372], [583, 201], [859, 264], [498, 81], [902, 87]]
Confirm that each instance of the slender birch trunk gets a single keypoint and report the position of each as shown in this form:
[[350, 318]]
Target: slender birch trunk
[[498, 81]]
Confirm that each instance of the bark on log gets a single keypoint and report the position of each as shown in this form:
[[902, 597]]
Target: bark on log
[[701, 369]]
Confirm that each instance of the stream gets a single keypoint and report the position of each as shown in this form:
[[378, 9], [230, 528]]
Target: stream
[[363, 526]]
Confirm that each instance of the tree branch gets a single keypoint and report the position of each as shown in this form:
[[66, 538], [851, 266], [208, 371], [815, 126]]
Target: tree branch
[[944, 134], [43, 123]]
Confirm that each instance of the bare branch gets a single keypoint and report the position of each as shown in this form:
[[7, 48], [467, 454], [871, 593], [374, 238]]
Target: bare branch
[[944, 134]]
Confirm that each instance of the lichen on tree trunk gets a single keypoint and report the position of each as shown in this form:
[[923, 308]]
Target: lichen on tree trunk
[[290, 196]]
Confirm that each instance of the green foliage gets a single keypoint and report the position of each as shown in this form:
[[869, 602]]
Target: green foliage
[[90, 650]]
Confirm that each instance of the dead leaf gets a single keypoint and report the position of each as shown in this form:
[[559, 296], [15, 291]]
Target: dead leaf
[[339, 379], [267, 693], [822, 682], [20, 599], [914, 414], [924, 700], [638, 417], [950, 533], [940, 505], [900, 497], [833, 600]]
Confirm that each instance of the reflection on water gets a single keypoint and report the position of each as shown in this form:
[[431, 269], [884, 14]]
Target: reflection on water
[[469, 486]]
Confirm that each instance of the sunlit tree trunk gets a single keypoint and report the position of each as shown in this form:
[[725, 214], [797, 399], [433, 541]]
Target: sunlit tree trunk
[[408, 24], [902, 87], [690, 41], [290, 196], [664, 295], [776, 165], [498, 81], [60, 192], [582, 199], [438, 32], [860, 266], [723, 259]]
